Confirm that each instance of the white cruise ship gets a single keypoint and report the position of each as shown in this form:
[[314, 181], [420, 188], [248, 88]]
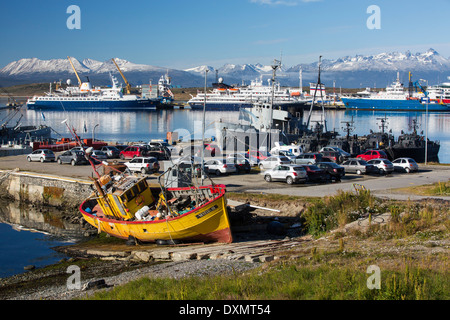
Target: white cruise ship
[[227, 98]]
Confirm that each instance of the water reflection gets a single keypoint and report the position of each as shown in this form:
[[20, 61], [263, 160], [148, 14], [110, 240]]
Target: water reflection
[[154, 124], [27, 235]]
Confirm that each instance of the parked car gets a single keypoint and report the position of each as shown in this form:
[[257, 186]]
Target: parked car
[[133, 151], [333, 156], [219, 167], [405, 164], [212, 150], [285, 153], [259, 155], [358, 166], [74, 157], [99, 156], [121, 147], [273, 161], [315, 174], [143, 165], [111, 151], [333, 170], [373, 154], [343, 155], [41, 155], [242, 165], [384, 166], [290, 173], [307, 158], [158, 152], [243, 156], [162, 144]]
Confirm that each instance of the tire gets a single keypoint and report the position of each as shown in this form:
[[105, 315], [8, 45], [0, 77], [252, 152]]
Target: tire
[[73, 162], [358, 172], [289, 180], [122, 157], [217, 172], [29, 159], [42, 160], [59, 161], [261, 167], [407, 170], [268, 178], [143, 171]]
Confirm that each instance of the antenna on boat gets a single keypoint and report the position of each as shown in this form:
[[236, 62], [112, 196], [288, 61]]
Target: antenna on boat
[[314, 98]]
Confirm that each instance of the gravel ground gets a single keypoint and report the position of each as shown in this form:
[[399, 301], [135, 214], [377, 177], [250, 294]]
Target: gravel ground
[[170, 269]]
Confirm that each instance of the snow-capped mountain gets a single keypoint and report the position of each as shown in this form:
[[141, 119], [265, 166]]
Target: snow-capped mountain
[[350, 71], [36, 70]]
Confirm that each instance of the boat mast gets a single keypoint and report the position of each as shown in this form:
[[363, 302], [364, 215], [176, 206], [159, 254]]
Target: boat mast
[[314, 98]]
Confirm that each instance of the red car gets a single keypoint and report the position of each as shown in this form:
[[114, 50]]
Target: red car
[[133, 151], [373, 154], [258, 155]]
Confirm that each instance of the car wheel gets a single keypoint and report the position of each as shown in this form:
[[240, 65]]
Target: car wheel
[[143, 171], [261, 167], [310, 163], [268, 178], [289, 180], [59, 161], [73, 162], [407, 170], [329, 177], [217, 172], [42, 160], [122, 157], [29, 159], [358, 172]]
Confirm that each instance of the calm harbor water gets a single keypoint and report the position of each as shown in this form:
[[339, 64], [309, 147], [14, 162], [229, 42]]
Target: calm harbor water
[[25, 248], [154, 124]]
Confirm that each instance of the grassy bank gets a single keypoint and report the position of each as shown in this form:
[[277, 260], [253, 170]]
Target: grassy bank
[[410, 248]]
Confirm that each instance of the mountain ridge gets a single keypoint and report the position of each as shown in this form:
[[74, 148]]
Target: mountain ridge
[[347, 70]]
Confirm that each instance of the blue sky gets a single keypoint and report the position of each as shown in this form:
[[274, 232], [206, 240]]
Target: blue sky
[[183, 34]]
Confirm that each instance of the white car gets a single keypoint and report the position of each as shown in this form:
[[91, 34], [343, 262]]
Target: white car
[[143, 164], [41, 155], [111, 151], [384, 166], [405, 164], [290, 173], [219, 167], [273, 161]]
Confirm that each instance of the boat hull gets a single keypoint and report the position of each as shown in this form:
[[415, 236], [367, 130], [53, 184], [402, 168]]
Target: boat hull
[[395, 105], [207, 223], [93, 105]]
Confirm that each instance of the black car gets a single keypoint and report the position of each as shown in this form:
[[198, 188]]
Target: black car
[[242, 165], [333, 170], [315, 174], [73, 157]]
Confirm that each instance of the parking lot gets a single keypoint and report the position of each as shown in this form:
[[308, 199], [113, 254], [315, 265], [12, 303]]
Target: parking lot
[[254, 181]]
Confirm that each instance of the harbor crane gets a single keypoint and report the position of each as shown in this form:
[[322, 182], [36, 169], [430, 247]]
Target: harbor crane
[[128, 86], [76, 73]]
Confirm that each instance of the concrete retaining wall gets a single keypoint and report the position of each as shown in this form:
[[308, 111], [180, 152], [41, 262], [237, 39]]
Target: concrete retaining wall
[[44, 189]]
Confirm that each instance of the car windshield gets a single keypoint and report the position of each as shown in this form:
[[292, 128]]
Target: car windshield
[[362, 162], [284, 159], [298, 169]]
